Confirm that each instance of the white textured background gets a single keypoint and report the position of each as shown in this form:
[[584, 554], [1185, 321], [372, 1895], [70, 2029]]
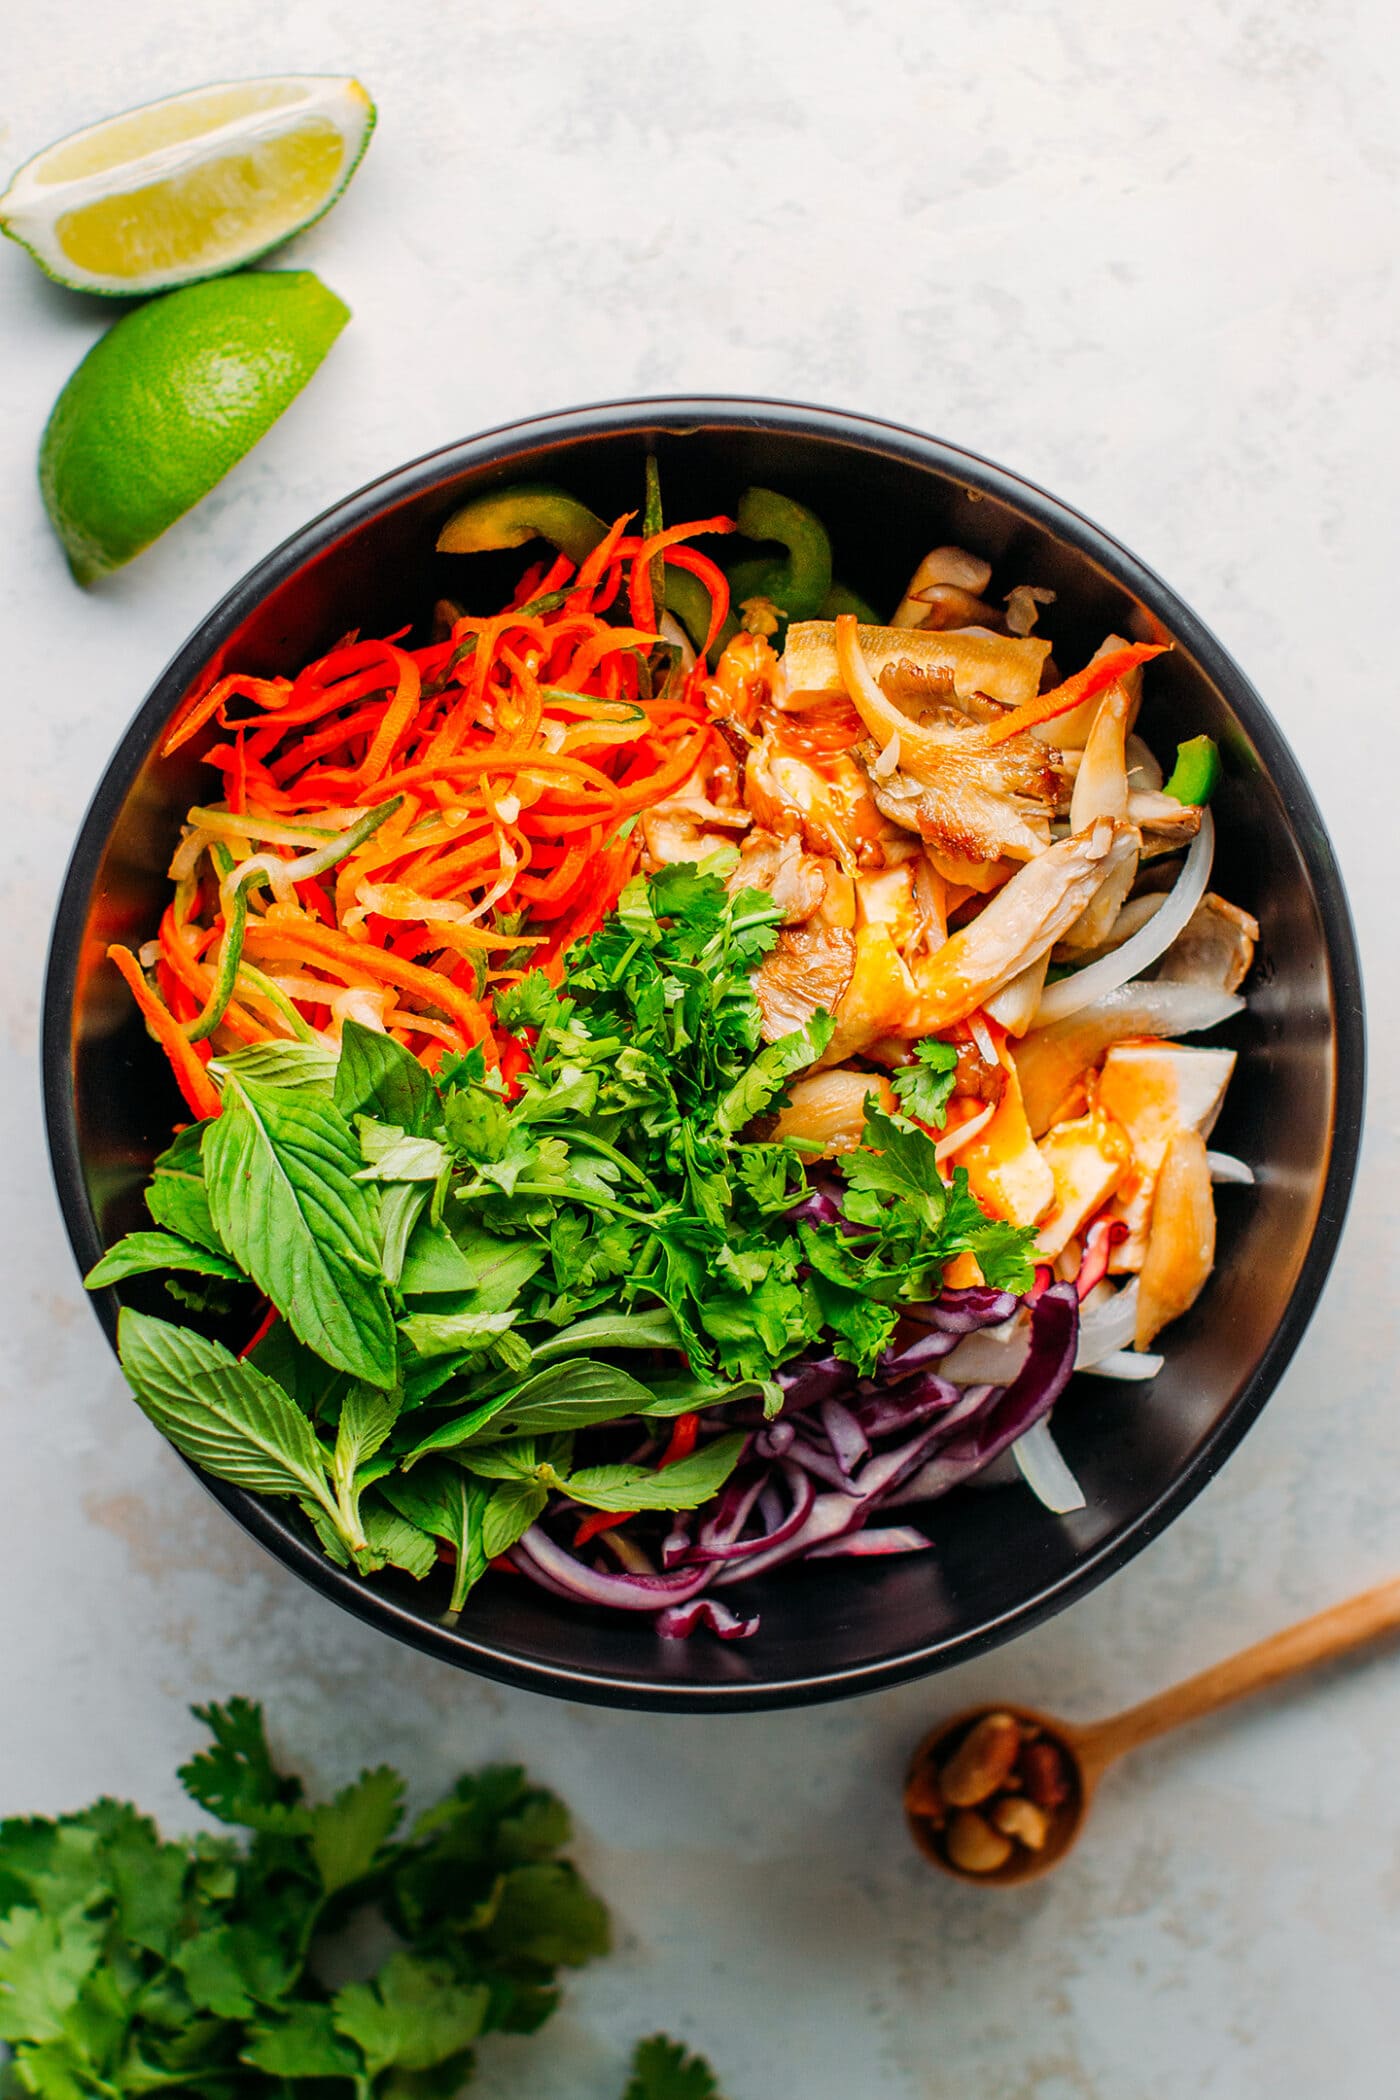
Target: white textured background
[[1147, 256]]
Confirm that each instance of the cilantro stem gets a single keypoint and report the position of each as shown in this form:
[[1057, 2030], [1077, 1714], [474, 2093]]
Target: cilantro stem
[[590, 1142], [590, 1199]]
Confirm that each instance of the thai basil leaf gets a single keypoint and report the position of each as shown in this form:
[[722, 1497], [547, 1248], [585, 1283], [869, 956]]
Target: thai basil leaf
[[440, 1498], [512, 1509], [177, 1197], [294, 1066]]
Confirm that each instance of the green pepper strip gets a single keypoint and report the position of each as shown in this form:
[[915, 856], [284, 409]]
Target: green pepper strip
[[1196, 772], [841, 600], [801, 582], [231, 950], [531, 511]]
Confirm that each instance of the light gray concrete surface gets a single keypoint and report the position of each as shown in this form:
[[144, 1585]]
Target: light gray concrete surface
[[1145, 255]]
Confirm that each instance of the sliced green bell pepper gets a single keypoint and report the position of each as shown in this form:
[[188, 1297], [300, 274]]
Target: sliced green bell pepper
[[801, 580], [529, 511], [1196, 772]]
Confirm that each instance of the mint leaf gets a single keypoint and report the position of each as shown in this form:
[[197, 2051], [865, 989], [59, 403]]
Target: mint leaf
[[366, 1418], [924, 1088], [236, 1780], [280, 1169], [654, 1329], [177, 1197], [512, 1509], [225, 1415], [433, 1263], [663, 2070], [414, 2014], [309, 1066], [392, 1539], [141, 1253], [348, 1832], [684, 1485], [570, 1396], [444, 1334], [390, 1154], [378, 1077], [447, 1503]]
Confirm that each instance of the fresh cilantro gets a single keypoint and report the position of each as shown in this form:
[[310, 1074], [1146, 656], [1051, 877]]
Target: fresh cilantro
[[130, 1966], [459, 1259], [664, 2070], [924, 1088]]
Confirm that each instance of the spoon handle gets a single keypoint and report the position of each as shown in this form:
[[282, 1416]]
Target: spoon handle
[[1331, 1633]]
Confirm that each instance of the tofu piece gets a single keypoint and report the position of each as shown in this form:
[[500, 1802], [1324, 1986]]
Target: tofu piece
[[1004, 1168], [1153, 1090], [1087, 1160]]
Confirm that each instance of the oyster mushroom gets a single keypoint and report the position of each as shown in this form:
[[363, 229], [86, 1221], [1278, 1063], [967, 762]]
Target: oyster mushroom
[[808, 967], [1215, 948]]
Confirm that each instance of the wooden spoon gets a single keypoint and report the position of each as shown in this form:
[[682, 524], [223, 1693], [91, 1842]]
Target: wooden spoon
[[1088, 1751]]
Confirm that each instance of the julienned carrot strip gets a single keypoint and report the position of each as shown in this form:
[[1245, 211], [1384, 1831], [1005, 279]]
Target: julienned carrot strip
[[664, 779], [608, 643], [595, 565], [284, 928], [643, 601], [266, 692], [1094, 678], [715, 582], [200, 1093], [397, 716]]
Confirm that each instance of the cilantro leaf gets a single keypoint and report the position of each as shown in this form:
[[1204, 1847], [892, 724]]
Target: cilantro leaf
[[532, 1003], [896, 1159], [546, 1913], [663, 2070], [763, 1082], [924, 1088], [236, 1780], [303, 2043], [414, 2014], [43, 1963], [347, 1833]]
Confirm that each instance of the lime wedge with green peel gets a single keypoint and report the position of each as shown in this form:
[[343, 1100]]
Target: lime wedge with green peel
[[189, 187], [171, 398]]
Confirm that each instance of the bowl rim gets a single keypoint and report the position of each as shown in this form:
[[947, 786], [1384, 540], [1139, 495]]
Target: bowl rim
[[694, 414]]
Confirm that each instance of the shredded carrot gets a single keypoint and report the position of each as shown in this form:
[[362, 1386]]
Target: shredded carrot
[[1094, 678], [200, 1093]]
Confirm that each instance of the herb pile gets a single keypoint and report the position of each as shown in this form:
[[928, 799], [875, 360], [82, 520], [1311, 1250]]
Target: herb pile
[[465, 1273], [130, 1965]]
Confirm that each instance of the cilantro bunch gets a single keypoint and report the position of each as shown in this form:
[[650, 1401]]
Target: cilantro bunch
[[129, 1965], [468, 1280]]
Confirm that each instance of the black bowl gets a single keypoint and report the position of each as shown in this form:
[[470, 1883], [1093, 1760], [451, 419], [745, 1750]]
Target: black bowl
[[1294, 1110]]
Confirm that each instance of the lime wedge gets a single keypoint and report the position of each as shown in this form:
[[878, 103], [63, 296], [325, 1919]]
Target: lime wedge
[[171, 398], [189, 187]]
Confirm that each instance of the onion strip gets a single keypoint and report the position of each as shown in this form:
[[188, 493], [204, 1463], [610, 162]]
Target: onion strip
[[1143, 948]]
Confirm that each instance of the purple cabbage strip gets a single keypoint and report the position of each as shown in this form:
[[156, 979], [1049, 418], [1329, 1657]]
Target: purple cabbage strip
[[959, 1312], [1007, 1412], [679, 1621], [844, 1434]]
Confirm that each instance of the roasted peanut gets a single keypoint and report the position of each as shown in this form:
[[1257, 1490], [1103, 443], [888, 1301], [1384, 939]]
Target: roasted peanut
[[1044, 1771], [974, 1846], [982, 1762], [1018, 1818], [922, 1796]]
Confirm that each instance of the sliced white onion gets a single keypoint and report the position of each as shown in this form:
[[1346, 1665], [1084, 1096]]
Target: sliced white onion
[[1065, 998], [671, 630], [1050, 1060], [964, 1134], [1225, 1167], [1044, 1470], [1105, 1326], [990, 1355], [1125, 1363]]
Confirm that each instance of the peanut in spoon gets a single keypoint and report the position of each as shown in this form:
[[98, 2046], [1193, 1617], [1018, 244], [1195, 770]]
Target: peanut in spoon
[[999, 1794]]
